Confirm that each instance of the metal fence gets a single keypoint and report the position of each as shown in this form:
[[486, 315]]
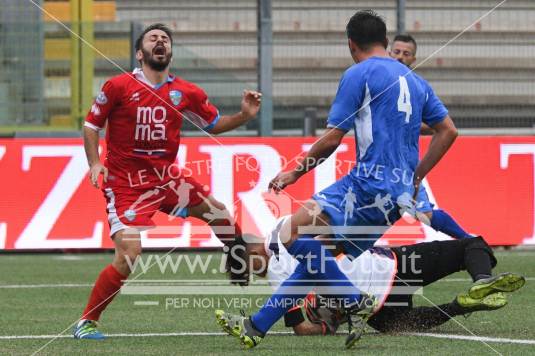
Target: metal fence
[[21, 55], [485, 76]]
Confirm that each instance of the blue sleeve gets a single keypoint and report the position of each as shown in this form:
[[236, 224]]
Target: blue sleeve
[[434, 111], [210, 126], [347, 101]]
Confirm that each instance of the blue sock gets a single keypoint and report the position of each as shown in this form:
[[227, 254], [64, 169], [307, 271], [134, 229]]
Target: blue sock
[[284, 298], [443, 222], [317, 266], [323, 268]]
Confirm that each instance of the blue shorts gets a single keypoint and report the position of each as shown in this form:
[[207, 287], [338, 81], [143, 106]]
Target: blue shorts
[[357, 218]]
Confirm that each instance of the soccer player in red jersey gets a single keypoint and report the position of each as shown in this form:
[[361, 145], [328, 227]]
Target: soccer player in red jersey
[[144, 111]]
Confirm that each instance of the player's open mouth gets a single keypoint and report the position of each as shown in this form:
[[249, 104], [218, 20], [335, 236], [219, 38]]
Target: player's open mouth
[[159, 51]]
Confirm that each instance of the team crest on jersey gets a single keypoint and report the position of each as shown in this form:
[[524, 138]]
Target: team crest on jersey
[[130, 214], [175, 96], [101, 98]]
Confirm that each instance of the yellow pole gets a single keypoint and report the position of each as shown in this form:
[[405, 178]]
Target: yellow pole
[[75, 62], [87, 60]]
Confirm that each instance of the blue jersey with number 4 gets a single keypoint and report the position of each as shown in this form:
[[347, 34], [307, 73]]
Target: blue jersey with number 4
[[385, 103]]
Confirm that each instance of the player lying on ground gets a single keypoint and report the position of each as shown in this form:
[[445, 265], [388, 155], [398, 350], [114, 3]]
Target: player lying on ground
[[144, 111], [392, 275], [385, 104]]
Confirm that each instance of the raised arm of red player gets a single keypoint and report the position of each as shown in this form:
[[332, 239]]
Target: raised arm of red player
[[250, 105], [206, 116]]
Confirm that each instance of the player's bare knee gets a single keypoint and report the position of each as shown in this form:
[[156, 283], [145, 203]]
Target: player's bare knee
[[209, 210], [126, 259], [300, 331], [127, 250], [132, 253], [216, 203], [285, 232], [302, 221], [306, 328]]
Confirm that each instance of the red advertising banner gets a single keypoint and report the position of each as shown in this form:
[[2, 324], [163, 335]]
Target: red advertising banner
[[47, 202]]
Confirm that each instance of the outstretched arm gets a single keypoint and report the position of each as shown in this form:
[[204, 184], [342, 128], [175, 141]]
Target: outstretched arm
[[250, 105], [319, 151]]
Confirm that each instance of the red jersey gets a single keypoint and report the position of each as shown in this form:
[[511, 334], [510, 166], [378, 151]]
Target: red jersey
[[144, 123]]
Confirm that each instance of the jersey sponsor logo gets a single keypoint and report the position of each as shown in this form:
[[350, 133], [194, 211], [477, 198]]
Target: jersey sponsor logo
[[101, 98], [135, 97], [149, 123], [175, 96]]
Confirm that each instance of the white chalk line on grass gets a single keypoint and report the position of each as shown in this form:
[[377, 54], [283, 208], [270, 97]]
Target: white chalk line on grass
[[475, 338], [66, 285], [78, 285], [200, 333]]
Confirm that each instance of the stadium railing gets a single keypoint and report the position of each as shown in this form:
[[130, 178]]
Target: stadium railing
[[485, 77]]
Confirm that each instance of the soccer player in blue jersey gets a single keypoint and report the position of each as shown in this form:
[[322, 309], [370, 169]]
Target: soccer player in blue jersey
[[403, 49], [384, 103]]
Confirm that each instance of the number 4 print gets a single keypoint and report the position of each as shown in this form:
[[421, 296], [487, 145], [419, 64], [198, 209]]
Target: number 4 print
[[404, 100]]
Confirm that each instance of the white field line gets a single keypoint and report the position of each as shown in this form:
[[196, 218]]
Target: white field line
[[66, 285], [75, 285], [475, 338], [146, 302], [200, 333]]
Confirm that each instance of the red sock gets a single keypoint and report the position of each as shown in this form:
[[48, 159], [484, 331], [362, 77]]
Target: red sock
[[106, 287]]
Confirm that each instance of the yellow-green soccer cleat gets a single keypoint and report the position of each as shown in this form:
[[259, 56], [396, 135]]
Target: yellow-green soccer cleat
[[227, 323], [490, 302], [505, 282], [357, 317], [240, 327]]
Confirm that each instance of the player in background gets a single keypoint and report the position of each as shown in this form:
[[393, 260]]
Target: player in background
[[403, 49], [384, 103], [392, 275], [144, 111]]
